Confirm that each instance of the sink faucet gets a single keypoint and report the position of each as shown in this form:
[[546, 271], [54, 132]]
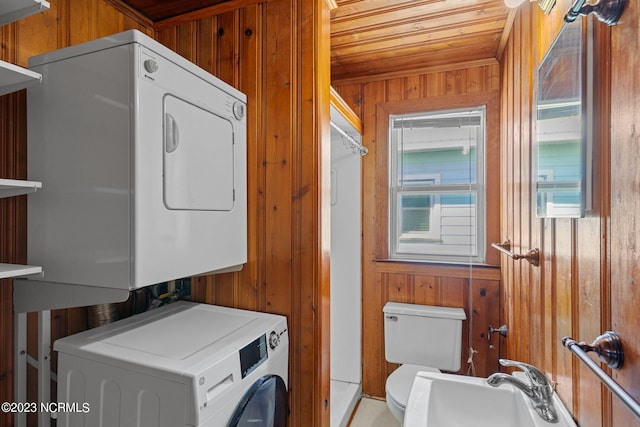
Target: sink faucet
[[539, 388]]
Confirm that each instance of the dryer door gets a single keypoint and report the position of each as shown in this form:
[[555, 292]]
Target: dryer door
[[264, 405], [198, 157]]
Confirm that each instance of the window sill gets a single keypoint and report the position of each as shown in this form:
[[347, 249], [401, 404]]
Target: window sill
[[420, 240], [438, 263], [434, 268]]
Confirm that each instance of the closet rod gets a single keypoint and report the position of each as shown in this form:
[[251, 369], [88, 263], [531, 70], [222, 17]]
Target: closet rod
[[353, 144]]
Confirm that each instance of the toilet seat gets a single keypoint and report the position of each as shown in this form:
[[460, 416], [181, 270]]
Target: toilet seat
[[398, 386]]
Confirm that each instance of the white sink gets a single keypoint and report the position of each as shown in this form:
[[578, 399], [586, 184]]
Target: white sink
[[443, 400]]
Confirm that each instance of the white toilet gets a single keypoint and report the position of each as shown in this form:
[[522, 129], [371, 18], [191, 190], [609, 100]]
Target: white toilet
[[421, 338]]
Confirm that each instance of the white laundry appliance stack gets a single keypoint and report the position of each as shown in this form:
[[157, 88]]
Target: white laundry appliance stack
[[144, 158]]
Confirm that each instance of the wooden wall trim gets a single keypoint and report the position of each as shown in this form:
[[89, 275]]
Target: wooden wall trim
[[602, 205], [130, 12], [216, 9], [332, 4], [195, 15], [457, 271], [506, 33], [345, 110], [488, 99], [415, 72], [437, 103]]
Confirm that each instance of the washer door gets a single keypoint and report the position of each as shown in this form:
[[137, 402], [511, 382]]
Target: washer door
[[264, 405]]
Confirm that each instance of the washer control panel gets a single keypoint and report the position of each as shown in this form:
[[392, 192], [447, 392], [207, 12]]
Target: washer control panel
[[275, 338]]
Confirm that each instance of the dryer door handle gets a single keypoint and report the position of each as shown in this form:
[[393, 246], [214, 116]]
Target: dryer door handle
[[171, 133]]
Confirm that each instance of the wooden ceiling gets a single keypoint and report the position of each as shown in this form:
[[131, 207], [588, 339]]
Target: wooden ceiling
[[373, 39], [159, 10]]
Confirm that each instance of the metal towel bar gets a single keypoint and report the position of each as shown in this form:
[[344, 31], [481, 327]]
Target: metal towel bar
[[533, 256], [608, 347]]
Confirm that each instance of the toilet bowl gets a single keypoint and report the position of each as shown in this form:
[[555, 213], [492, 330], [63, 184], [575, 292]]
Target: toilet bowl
[[420, 338], [398, 386]]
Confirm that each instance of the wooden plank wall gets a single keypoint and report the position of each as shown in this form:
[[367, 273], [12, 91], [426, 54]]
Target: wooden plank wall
[[61, 26], [624, 47], [586, 281], [276, 52], [475, 289], [259, 50]]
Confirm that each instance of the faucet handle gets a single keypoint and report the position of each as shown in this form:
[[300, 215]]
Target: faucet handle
[[535, 375]]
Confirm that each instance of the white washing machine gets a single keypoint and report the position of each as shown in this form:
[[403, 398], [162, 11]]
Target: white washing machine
[[184, 364]]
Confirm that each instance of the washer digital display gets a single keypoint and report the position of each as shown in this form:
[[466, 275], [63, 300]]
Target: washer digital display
[[253, 355]]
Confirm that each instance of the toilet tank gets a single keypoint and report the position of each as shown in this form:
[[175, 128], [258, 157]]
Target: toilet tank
[[423, 335]]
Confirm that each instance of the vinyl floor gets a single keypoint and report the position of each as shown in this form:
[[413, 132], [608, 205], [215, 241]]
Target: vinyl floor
[[373, 413]]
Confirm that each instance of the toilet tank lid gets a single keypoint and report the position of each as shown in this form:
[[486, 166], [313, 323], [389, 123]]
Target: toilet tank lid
[[424, 310]]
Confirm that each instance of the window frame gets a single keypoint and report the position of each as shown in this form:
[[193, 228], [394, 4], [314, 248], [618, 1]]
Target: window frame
[[473, 189]]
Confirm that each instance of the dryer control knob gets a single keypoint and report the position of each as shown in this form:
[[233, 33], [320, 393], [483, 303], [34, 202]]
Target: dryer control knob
[[239, 110], [274, 340], [150, 65]]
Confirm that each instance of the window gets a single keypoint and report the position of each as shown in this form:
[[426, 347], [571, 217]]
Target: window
[[437, 186], [419, 217]]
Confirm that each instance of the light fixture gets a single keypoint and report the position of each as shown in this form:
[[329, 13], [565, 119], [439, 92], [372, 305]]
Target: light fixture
[[513, 3], [607, 11], [545, 5]]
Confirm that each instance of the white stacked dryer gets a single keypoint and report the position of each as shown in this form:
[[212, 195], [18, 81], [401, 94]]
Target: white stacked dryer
[[184, 364], [144, 158]]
